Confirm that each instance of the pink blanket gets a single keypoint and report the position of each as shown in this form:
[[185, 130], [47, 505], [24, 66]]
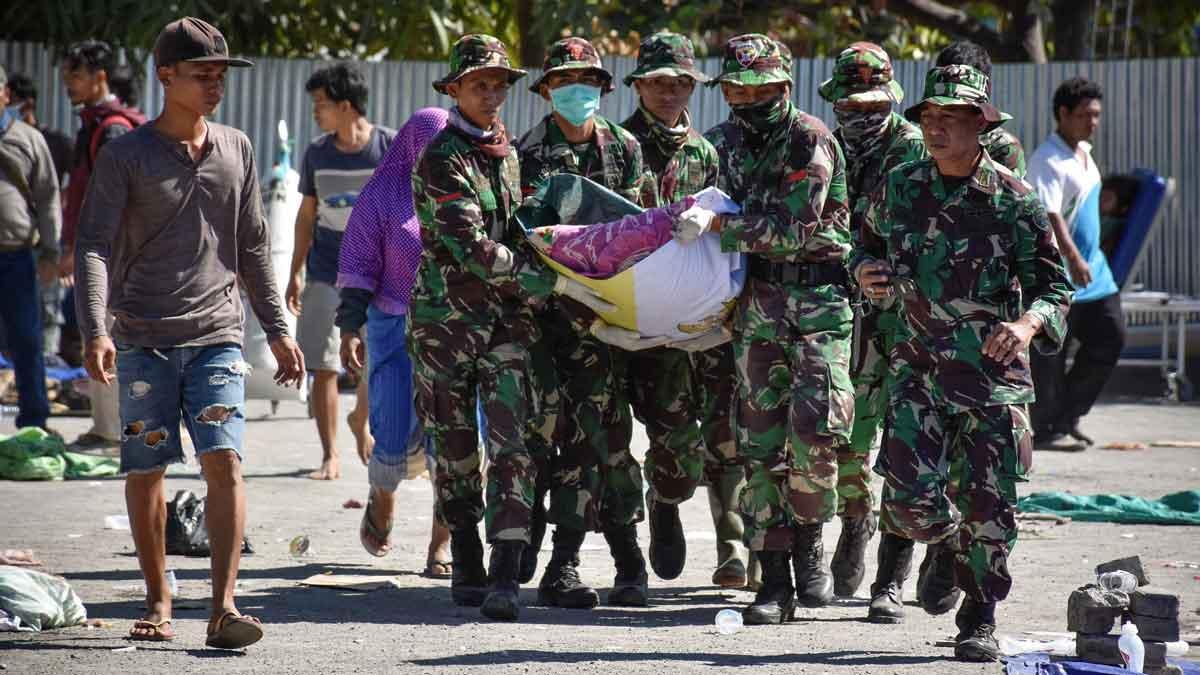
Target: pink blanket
[[604, 249]]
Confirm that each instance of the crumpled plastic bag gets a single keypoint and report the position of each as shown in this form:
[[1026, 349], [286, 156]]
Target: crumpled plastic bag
[[33, 454], [39, 601], [187, 532]]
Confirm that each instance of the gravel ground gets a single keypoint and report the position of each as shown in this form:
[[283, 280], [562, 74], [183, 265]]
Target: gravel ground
[[413, 627]]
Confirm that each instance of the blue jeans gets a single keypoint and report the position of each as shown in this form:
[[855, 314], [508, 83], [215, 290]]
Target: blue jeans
[[21, 314], [203, 386]]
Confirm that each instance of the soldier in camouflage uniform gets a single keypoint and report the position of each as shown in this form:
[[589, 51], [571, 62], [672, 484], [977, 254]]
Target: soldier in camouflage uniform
[[875, 140], [470, 322], [596, 483], [669, 388], [1000, 144], [792, 323], [944, 240]]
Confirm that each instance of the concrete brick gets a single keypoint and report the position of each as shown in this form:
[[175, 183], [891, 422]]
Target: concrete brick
[[1103, 649], [1153, 602], [1156, 629], [1133, 565], [1091, 609]]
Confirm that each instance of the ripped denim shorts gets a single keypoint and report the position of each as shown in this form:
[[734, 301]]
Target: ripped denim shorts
[[203, 386]]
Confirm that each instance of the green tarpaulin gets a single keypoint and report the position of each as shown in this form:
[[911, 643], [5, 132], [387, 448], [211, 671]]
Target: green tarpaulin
[[33, 454], [1180, 508]]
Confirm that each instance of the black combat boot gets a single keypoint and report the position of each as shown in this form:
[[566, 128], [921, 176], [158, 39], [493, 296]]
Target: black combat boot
[[936, 589], [560, 585], [814, 584], [501, 603], [537, 532], [775, 601], [887, 593], [668, 548], [976, 639], [630, 587], [849, 558], [468, 580]]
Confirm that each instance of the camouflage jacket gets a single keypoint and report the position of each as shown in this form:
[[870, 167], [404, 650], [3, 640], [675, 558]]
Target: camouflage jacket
[[955, 253], [465, 200], [792, 189], [672, 174], [613, 159], [1002, 146]]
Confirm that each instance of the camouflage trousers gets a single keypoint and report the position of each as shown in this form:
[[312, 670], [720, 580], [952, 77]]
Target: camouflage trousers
[[595, 481], [868, 373], [951, 476], [660, 394], [795, 405], [714, 388], [451, 368]]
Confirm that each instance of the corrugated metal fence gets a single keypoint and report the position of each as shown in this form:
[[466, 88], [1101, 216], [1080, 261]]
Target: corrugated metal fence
[[1151, 111]]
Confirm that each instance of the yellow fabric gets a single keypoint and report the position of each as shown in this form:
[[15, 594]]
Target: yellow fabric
[[617, 289]]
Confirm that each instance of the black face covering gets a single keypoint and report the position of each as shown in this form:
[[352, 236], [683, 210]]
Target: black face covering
[[760, 118], [863, 133]]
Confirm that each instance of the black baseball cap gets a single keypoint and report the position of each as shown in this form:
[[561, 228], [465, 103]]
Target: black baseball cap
[[192, 40]]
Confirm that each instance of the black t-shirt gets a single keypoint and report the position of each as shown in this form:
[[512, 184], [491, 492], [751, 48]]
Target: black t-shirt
[[61, 151]]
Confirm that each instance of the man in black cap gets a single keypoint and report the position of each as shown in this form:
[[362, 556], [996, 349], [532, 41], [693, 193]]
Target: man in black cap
[[173, 213]]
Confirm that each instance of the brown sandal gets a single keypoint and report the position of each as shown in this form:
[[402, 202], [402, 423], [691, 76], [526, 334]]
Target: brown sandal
[[157, 634], [235, 631]]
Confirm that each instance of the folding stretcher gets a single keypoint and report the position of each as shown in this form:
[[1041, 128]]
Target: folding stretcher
[[1169, 311]]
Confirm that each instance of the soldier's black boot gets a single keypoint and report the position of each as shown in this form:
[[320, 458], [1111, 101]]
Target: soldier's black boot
[[775, 601], [976, 640], [887, 593], [537, 532], [630, 587], [668, 548], [468, 579], [560, 585], [849, 558], [501, 603], [814, 584], [936, 589]]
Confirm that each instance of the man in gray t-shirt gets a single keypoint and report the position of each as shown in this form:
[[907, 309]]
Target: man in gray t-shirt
[[336, 166], [171, 225]]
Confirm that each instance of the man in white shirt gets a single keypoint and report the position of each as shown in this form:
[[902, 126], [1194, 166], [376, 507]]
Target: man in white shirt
[[1068, 183]]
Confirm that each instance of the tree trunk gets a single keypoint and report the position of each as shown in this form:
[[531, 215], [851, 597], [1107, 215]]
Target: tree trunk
[[1023, 41], [533, 47], [1073, 30]]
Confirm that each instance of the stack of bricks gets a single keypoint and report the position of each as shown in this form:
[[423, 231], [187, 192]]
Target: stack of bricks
[[1092, 613]]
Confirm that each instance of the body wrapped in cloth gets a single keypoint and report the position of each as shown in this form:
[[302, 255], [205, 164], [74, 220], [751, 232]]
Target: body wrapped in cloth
[[660, 286]]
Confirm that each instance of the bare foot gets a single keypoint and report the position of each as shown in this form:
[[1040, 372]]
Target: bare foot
[[363, 440], [329, 471]]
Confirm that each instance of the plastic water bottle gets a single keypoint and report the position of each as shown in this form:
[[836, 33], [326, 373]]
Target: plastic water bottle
[[172, 583], [729, 621], [1133, 652], [1118, 581]]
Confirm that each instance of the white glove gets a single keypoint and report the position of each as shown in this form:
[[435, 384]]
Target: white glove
[[629, 340], [704, 341], [692, 223], [584, 294]]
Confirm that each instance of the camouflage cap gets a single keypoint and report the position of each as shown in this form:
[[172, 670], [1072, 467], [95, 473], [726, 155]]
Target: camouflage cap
[[862, 74], [754, 59], [477, 52], [958, 85], [666, 53], [573, 53]]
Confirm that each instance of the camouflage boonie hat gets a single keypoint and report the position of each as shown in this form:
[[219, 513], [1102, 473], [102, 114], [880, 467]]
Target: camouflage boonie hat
[[958, 85], [666, 53], [754, 59], [573, 53], [862, 74], [477, 52]]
